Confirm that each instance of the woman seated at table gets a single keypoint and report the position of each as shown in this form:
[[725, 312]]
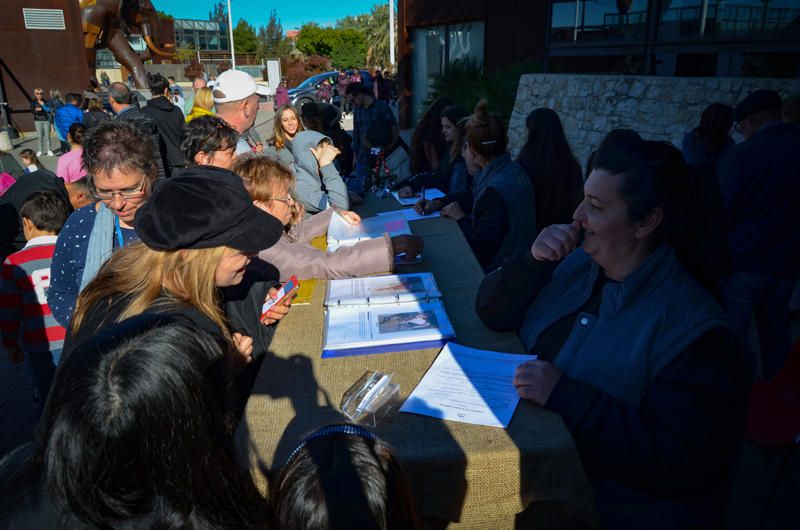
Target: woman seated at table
[[287, 125], [342, 477], [135, 435], [198, 232], [451, 175], [635, 353], [497, 215], [319, 185], [271, 187]]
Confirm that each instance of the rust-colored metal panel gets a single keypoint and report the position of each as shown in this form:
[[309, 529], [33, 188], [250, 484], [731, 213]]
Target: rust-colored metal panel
[[42, 58]]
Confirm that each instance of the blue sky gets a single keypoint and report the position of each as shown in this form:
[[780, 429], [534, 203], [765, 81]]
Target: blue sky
[[292, 14]]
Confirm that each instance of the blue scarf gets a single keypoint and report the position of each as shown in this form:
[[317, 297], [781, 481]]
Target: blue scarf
[[101, 244]]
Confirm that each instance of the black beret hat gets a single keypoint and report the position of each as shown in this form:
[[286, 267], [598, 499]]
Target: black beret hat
[[757, 101], [204, 207]]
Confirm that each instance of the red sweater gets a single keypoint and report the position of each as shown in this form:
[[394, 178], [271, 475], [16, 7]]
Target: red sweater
[[25, 317]]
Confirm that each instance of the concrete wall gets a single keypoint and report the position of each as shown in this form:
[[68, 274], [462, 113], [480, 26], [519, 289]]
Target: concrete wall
[[659, 108]]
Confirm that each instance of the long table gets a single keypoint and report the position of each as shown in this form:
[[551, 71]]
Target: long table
[[473, 476]]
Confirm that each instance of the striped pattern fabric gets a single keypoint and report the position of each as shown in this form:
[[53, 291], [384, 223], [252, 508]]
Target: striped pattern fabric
[[25, 317]]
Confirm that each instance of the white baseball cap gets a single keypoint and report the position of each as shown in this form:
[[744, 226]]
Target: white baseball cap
[[235, 85]]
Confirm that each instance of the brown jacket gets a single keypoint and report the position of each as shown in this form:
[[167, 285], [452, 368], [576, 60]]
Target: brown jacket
[[293, 255]]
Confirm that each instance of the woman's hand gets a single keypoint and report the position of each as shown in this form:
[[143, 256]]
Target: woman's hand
[[325, 154], [351, 217], [405, 192], [453, 211], [277, 311], [244, 346], [407, 244], [424, 207], [535, 380], [555, 242]]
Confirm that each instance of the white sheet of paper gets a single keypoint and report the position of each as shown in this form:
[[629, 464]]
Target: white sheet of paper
[[411, 215], [468, 385], [430, 194]]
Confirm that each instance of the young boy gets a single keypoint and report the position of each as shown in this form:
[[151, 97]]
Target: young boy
[[27, 326]]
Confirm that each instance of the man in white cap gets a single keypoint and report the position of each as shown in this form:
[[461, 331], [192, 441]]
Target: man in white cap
[[236, 96]]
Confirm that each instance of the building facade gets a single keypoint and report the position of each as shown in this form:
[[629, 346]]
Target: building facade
[[689, 38]]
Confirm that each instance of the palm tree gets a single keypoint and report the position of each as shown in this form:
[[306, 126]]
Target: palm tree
[[376, 30]]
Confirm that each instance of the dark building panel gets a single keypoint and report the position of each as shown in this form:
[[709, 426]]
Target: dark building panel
[[46, 58]]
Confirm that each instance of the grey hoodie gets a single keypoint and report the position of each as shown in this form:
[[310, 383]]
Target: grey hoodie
[[314, 192]]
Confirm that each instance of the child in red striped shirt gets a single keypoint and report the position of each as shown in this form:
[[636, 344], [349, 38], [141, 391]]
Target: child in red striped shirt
[[29, 332]]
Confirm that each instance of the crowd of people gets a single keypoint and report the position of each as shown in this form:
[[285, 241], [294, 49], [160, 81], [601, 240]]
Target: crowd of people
[[134, 277]]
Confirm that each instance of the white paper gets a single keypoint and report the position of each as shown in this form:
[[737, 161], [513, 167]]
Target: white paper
[[430, 194], [343, 234], [382, 289], [411, 214], [468, 385]]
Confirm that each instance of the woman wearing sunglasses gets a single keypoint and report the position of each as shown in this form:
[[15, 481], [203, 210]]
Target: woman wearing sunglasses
[[121, 164]]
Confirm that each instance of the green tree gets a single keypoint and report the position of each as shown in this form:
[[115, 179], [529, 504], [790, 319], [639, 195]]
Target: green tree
[[350, 49], [244, 37], [185, 53], [219, 12], [376, 31], [271, 42]]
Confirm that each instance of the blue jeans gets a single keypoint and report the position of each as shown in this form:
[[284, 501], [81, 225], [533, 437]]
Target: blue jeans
[[749, 294], [41, 369], [356, 182]]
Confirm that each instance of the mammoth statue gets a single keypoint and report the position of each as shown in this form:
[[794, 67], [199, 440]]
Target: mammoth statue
[[105, 25]]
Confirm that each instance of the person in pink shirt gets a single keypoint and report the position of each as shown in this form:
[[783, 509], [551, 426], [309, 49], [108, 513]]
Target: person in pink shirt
[[70, 165]]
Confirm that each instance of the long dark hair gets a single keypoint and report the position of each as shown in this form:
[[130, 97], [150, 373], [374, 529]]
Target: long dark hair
[[457, 116], [428, 131], [715, 124], [656, 176], [136, 428], [552, 168], [339, 481]]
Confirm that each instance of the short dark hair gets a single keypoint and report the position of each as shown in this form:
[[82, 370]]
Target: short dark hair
[[171, 78], [74, 98], [77, 131], [120, 93], [114, 144], [46, 210], [356, 88], [158, 84], [206, 134], [339, 480]]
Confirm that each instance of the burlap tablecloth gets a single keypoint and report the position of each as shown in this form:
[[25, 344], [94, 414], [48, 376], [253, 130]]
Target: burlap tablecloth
[[477, 476]]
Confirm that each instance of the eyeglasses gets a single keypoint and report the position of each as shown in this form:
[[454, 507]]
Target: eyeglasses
[[289, 200], [131, 193]]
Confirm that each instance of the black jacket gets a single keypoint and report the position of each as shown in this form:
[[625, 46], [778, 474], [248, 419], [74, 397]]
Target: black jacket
[[170, 122], [11, 236], [145, 124]]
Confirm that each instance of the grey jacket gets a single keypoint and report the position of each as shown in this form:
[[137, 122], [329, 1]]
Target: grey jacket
[[293, 255], [316, 194]]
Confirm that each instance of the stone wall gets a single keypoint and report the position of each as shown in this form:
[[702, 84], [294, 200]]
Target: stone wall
[[659, 108]]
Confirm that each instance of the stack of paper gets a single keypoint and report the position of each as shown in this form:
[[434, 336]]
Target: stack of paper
[[384, 313], [430, 194]]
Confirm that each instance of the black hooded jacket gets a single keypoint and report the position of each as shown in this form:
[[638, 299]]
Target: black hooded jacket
[[170, 122]]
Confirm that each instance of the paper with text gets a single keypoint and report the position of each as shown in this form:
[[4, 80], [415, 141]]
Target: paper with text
[[468, 385], [430, 194]]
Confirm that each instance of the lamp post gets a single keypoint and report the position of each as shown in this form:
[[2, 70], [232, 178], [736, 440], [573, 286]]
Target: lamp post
[[230, 32]]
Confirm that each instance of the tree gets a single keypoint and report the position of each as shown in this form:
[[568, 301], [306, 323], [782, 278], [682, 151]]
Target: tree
[[271, 42], [244, 37], [350, 49], [219, 12], [185, 53], [376, 32]]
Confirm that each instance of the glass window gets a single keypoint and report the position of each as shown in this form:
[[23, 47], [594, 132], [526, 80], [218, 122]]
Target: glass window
[[598, 20], [465, 41], [428, 59], [692, 18]]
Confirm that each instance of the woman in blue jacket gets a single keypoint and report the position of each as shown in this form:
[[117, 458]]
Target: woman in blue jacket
[[634, 352]]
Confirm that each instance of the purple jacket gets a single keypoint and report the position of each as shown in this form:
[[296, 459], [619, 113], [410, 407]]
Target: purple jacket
[[281, 96]]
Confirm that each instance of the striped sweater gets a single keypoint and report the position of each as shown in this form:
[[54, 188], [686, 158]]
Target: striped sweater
[[25, 317]]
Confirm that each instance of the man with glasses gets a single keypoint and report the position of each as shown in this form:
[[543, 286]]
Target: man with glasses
[[760, 184], [120, 160], [41, 119]]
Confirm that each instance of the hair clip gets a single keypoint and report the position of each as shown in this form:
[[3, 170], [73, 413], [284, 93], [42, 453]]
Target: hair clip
[[342, 428], [487, 142]]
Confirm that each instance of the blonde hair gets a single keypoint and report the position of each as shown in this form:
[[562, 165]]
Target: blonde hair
[[187, 276], [204, 99], [280, 135], [262, 176]]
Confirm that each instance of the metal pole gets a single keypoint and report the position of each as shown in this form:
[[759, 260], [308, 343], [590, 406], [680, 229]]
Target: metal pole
[[230, 31], [391, 33], [703, 15], [577, 20]]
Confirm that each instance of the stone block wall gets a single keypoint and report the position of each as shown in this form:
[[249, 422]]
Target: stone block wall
[[659, 108]]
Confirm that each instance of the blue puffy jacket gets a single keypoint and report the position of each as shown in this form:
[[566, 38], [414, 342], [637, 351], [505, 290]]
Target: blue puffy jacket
[[66, 115]]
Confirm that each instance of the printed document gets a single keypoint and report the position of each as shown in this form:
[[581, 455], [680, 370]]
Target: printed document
[[468, 385]]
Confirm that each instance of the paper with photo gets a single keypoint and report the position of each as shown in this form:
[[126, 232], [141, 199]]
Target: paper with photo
[[411, 214], [343, 234], [382, 289], [468, 385]]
